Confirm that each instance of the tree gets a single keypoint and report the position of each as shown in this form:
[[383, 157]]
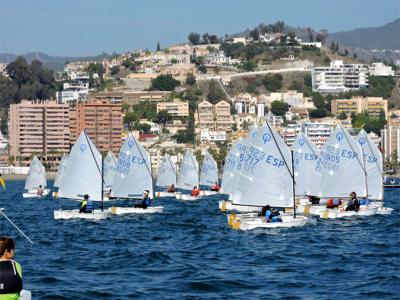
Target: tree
[[131, 117], [342, 116], [308, 80], [297, 86], [310, 35], [332, 46], [205, 38], [273, 82], [127, 63], [125, 107], [164, 83], [214, 92], [249, 65], [158, 47], [163, 116], [190, 79], [346, 52], [194, 38], [114, 70], [213, 39], [202, 69], [254, 34], [318, 113], [279, 108]]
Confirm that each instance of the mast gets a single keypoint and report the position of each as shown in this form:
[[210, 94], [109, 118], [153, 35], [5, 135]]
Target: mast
[[293, 186], [102, 183]]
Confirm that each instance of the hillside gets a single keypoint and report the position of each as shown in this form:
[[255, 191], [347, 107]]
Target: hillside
[[383, 37]]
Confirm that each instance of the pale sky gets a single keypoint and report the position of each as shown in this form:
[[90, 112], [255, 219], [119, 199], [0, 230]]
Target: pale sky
[[90, 27]]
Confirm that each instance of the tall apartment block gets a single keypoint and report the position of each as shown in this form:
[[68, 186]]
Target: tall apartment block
[[40, 128], [102, 121]]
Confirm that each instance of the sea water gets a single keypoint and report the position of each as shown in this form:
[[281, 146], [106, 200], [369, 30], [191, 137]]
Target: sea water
[[189, 252]]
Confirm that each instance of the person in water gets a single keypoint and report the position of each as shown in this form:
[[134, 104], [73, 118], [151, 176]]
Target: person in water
[[271, 215], [171, 189], [40, 190], [195, 191], [146, 200], [215, 187], [354, 203], [86, 205], [10, 271], [333, 203]]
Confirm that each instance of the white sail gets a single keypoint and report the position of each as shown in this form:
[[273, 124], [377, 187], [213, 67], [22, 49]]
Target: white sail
[[36, 175], [228, 178], [341, 166], [109, 169], [264, 171], [167, 172], [133, 174], [61, 170], [306, 176], [373, 166], [82, 174], [209, 171], [188, 172]]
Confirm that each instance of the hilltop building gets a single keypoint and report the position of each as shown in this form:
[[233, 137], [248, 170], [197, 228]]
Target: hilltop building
[[380, 69]]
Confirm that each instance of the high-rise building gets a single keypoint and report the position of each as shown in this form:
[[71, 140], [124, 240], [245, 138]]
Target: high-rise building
[[339, 77], [102, 121], [318, 133], [390, 142], [39, 128]]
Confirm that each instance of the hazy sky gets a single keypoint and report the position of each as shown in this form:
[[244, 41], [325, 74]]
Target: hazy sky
[[89, 27]]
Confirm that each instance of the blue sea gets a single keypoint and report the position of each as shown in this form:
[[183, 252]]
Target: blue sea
[[189, 252]]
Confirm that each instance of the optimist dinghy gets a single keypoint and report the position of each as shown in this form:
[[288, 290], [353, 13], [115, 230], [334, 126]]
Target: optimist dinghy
[[265, 177], [133, 176], [82, 175], [36, 177], [166, 177], [373, 163], [188, 177], [341, 165], [208, 175], [60, 173]]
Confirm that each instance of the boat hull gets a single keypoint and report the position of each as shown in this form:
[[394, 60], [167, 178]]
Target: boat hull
[[208, 193], [251, 223], [164, 194], [33, 194], [115, 210], [227, 205], [336, 213], [74, 214], [186, 197]]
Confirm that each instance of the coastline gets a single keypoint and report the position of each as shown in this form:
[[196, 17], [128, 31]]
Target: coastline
[[49, 176]]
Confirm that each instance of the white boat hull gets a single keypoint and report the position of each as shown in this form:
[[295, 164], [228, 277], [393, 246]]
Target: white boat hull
[[342, 213], [208, 193], [384, 211], [34, 194], [251, 223], [115, 210], [164, 194], [227, 205], [186, 197], [74, 214]]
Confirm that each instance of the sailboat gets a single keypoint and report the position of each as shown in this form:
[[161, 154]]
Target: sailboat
[[265, 177], [306, 176], [83, 175], [341, 166], [109, 170], [229, 178], [166, 177], [188, 176], [36, 178], [373, 163], [208, 175], [132, 177], [60, 173]]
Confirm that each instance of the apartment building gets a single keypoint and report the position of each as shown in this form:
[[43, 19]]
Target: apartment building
[[41, 128], [318, 133], [390, 142], [380, 69], [339, 77], [102, 121], [372, 105], [176, 108], [290, 133], [129, 97], [247, 104], [73, 92]]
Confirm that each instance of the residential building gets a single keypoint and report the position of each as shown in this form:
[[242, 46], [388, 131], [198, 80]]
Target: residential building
[[390, 142], [312, 44], [212, 135], [176, 108], [223, 116], [318, 133], [73, 92], [102, 121], [218, 58], [245, 103], [205, 115], [372, 105], [290, 133], [244, 121], [174, 126], [380, 69], [129, 97], [274, 121], [41, 128], [291, 97], [339, 77]]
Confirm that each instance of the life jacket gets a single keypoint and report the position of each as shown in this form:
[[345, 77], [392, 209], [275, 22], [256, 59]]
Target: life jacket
[[364, 201], [171, 190], [215, 188], [195, 192], [89, 206], [10, 280], [333, 203], [148, 201]]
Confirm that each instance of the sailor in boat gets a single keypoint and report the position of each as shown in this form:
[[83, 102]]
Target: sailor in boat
[[40, 191], [86, 205], [271, 215], [146, 201], [171, 189], [10, 271], [196, 191], [2, 182], [333, 203], [215, 187], [354, 203], [313, 200]]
